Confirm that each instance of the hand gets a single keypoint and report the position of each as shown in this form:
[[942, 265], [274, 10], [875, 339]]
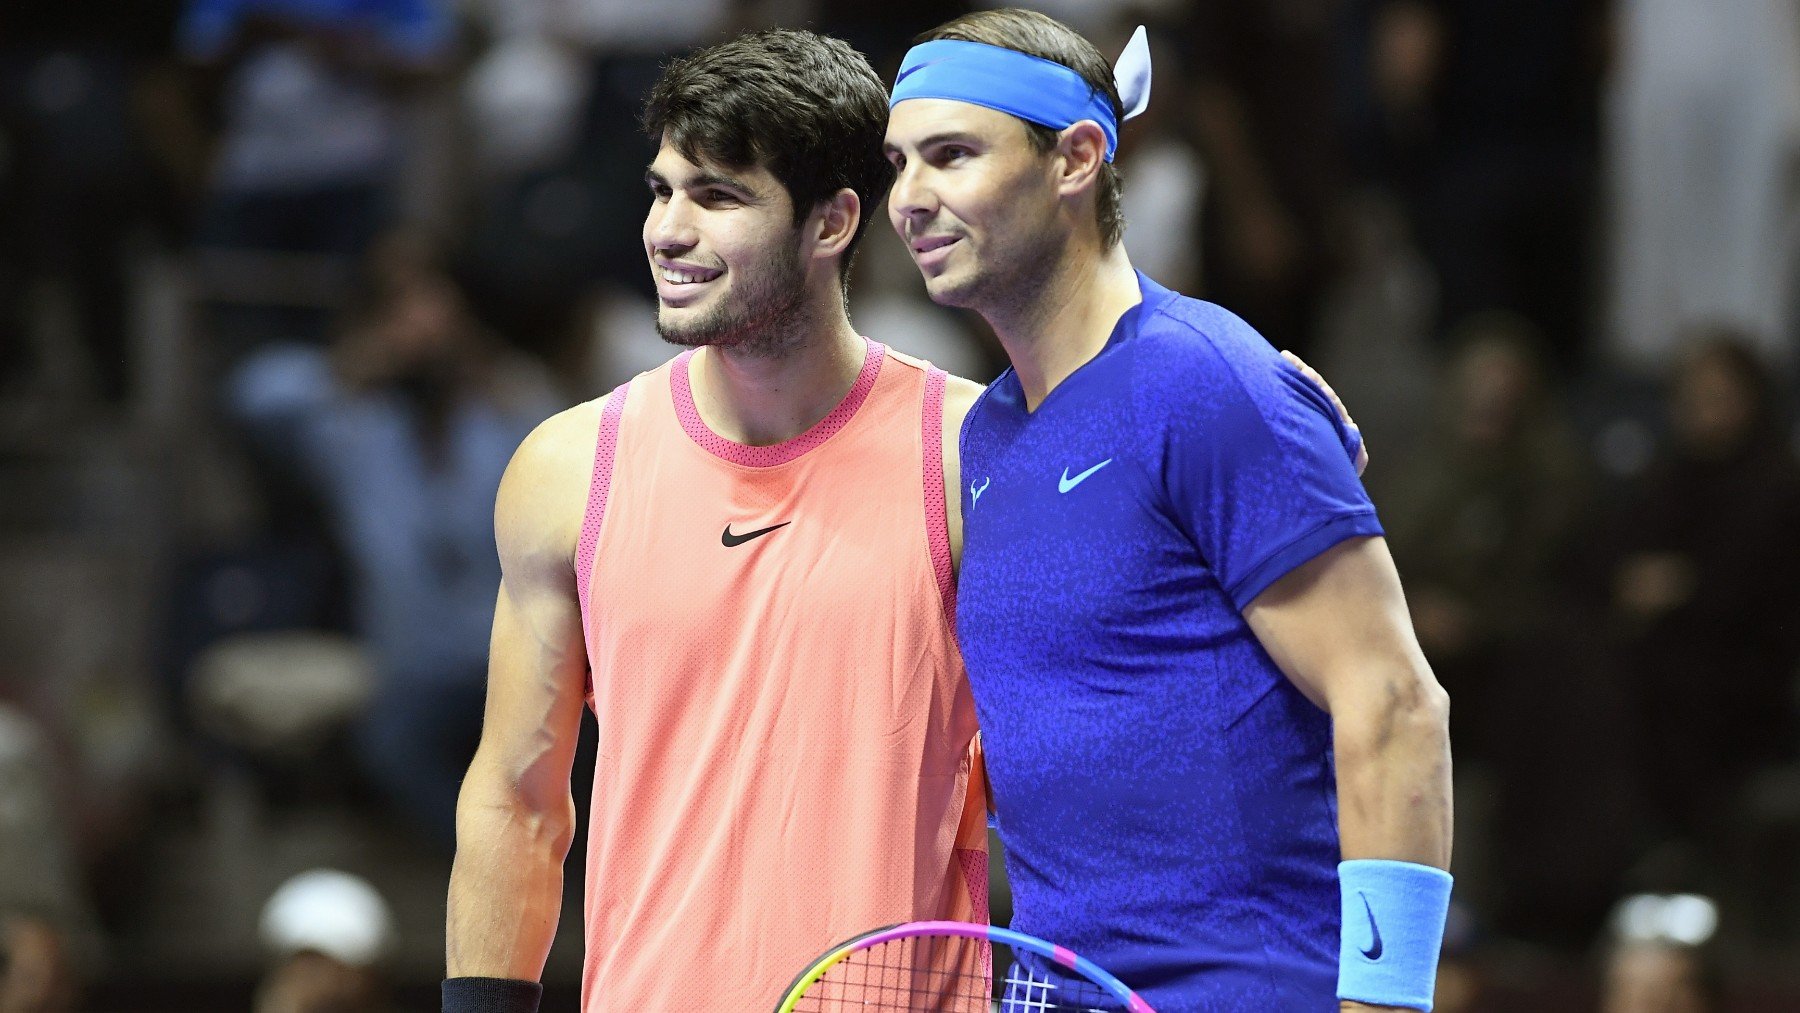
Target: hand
[[1362, 452]]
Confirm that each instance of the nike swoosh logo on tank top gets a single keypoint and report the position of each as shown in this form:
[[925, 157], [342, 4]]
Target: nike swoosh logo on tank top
[[730, 540]]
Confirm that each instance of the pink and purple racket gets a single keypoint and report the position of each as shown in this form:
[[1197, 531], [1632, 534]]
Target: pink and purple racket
[[947, 967]]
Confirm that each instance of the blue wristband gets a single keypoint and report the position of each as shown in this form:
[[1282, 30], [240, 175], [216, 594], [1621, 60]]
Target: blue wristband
[[1393, 927]]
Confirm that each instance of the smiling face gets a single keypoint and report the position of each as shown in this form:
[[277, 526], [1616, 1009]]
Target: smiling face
[[725, 254], [975, 201]]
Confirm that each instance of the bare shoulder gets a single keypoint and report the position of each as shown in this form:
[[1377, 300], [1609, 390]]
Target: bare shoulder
[[960, 396], [543, 495]]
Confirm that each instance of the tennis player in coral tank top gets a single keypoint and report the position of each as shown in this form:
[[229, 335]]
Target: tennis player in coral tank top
[[743, 560]]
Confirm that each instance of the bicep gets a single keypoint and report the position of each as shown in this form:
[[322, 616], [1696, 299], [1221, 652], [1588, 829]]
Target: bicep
[[537, 663], [1338, 627]]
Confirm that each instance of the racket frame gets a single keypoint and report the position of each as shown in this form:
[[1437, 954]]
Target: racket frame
[[967, 930]]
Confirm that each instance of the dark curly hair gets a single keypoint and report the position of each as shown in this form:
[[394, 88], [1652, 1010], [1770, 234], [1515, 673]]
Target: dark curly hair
[[806, 107]]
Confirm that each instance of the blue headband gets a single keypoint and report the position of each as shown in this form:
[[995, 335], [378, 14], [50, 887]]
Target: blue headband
[[1018, 84]]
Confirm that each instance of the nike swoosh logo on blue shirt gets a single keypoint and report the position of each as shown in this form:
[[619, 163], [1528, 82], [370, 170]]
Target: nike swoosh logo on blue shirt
[[1066, 483], [1373, 952]]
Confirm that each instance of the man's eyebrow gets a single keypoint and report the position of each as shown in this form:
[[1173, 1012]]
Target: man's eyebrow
[[704, 179], [942, 137], [719, 179]]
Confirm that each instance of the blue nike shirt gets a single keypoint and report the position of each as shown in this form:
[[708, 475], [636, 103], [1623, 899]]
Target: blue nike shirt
[[1166, 796]]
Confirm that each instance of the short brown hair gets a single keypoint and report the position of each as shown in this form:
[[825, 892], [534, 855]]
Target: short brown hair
[[806, 107], [1046, 38]]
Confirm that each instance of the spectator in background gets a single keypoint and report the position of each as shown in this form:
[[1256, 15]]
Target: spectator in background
[[75, 185], [403, 431], [329, 933], [307, 149], [1481, 523], [557, 220], [1703, 122], [37, 970], [46, 924], [1657, 957], [1481, 115], [1484, 515], [1704, 586], [1659, 978], [1271, 150]]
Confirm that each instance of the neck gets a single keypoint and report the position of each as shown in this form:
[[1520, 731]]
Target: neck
[[762, 400], [1062, 319]]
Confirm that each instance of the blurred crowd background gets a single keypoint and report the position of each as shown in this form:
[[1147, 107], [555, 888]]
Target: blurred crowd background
[[283, 282]]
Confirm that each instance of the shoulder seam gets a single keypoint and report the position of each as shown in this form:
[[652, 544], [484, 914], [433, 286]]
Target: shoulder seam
[[962, 431]]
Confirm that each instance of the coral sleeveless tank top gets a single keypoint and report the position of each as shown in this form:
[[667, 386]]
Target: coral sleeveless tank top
[[786, 752]]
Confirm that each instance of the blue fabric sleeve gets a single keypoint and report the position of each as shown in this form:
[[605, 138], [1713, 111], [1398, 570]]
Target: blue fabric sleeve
[[1259, 467]]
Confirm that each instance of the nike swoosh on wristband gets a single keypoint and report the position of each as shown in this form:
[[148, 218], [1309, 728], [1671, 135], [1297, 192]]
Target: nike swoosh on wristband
[[729, 540], [1066, 483], [1373, 951]]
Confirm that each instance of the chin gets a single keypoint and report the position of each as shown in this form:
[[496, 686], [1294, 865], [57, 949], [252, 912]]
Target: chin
[[956, 290], [685, 327]]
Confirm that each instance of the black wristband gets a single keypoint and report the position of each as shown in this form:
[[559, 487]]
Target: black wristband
[[491, 995]]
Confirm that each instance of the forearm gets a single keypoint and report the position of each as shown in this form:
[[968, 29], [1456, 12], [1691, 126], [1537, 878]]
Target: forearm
[[1393, 773], [506, 883], [1394, 796]]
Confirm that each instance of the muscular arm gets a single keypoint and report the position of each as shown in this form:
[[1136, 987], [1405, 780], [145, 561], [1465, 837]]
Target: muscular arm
[[515, 816], [1338, 628]]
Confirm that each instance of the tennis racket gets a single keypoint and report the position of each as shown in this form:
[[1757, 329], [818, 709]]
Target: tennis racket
[[947, 967]]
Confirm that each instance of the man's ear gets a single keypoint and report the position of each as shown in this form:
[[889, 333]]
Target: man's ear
[[833, 223], [1081, 149]]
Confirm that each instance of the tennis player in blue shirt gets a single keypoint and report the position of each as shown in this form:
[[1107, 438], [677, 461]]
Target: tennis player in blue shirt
[[1220, 762]]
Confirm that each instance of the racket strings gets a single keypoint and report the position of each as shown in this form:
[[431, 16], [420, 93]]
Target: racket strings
[[1026, 991], [929, 974], [944, 974]]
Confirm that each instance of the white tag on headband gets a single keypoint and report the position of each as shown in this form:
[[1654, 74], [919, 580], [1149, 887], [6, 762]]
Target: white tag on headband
[[1131, 74]]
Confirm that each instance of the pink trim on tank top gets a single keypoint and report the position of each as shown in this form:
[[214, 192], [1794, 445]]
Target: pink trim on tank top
[[605, 445], [787, 450], [974, 865], [937, 522]]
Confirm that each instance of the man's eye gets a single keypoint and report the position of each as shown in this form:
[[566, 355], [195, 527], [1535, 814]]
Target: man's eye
[[721, 196], [897, 160]]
